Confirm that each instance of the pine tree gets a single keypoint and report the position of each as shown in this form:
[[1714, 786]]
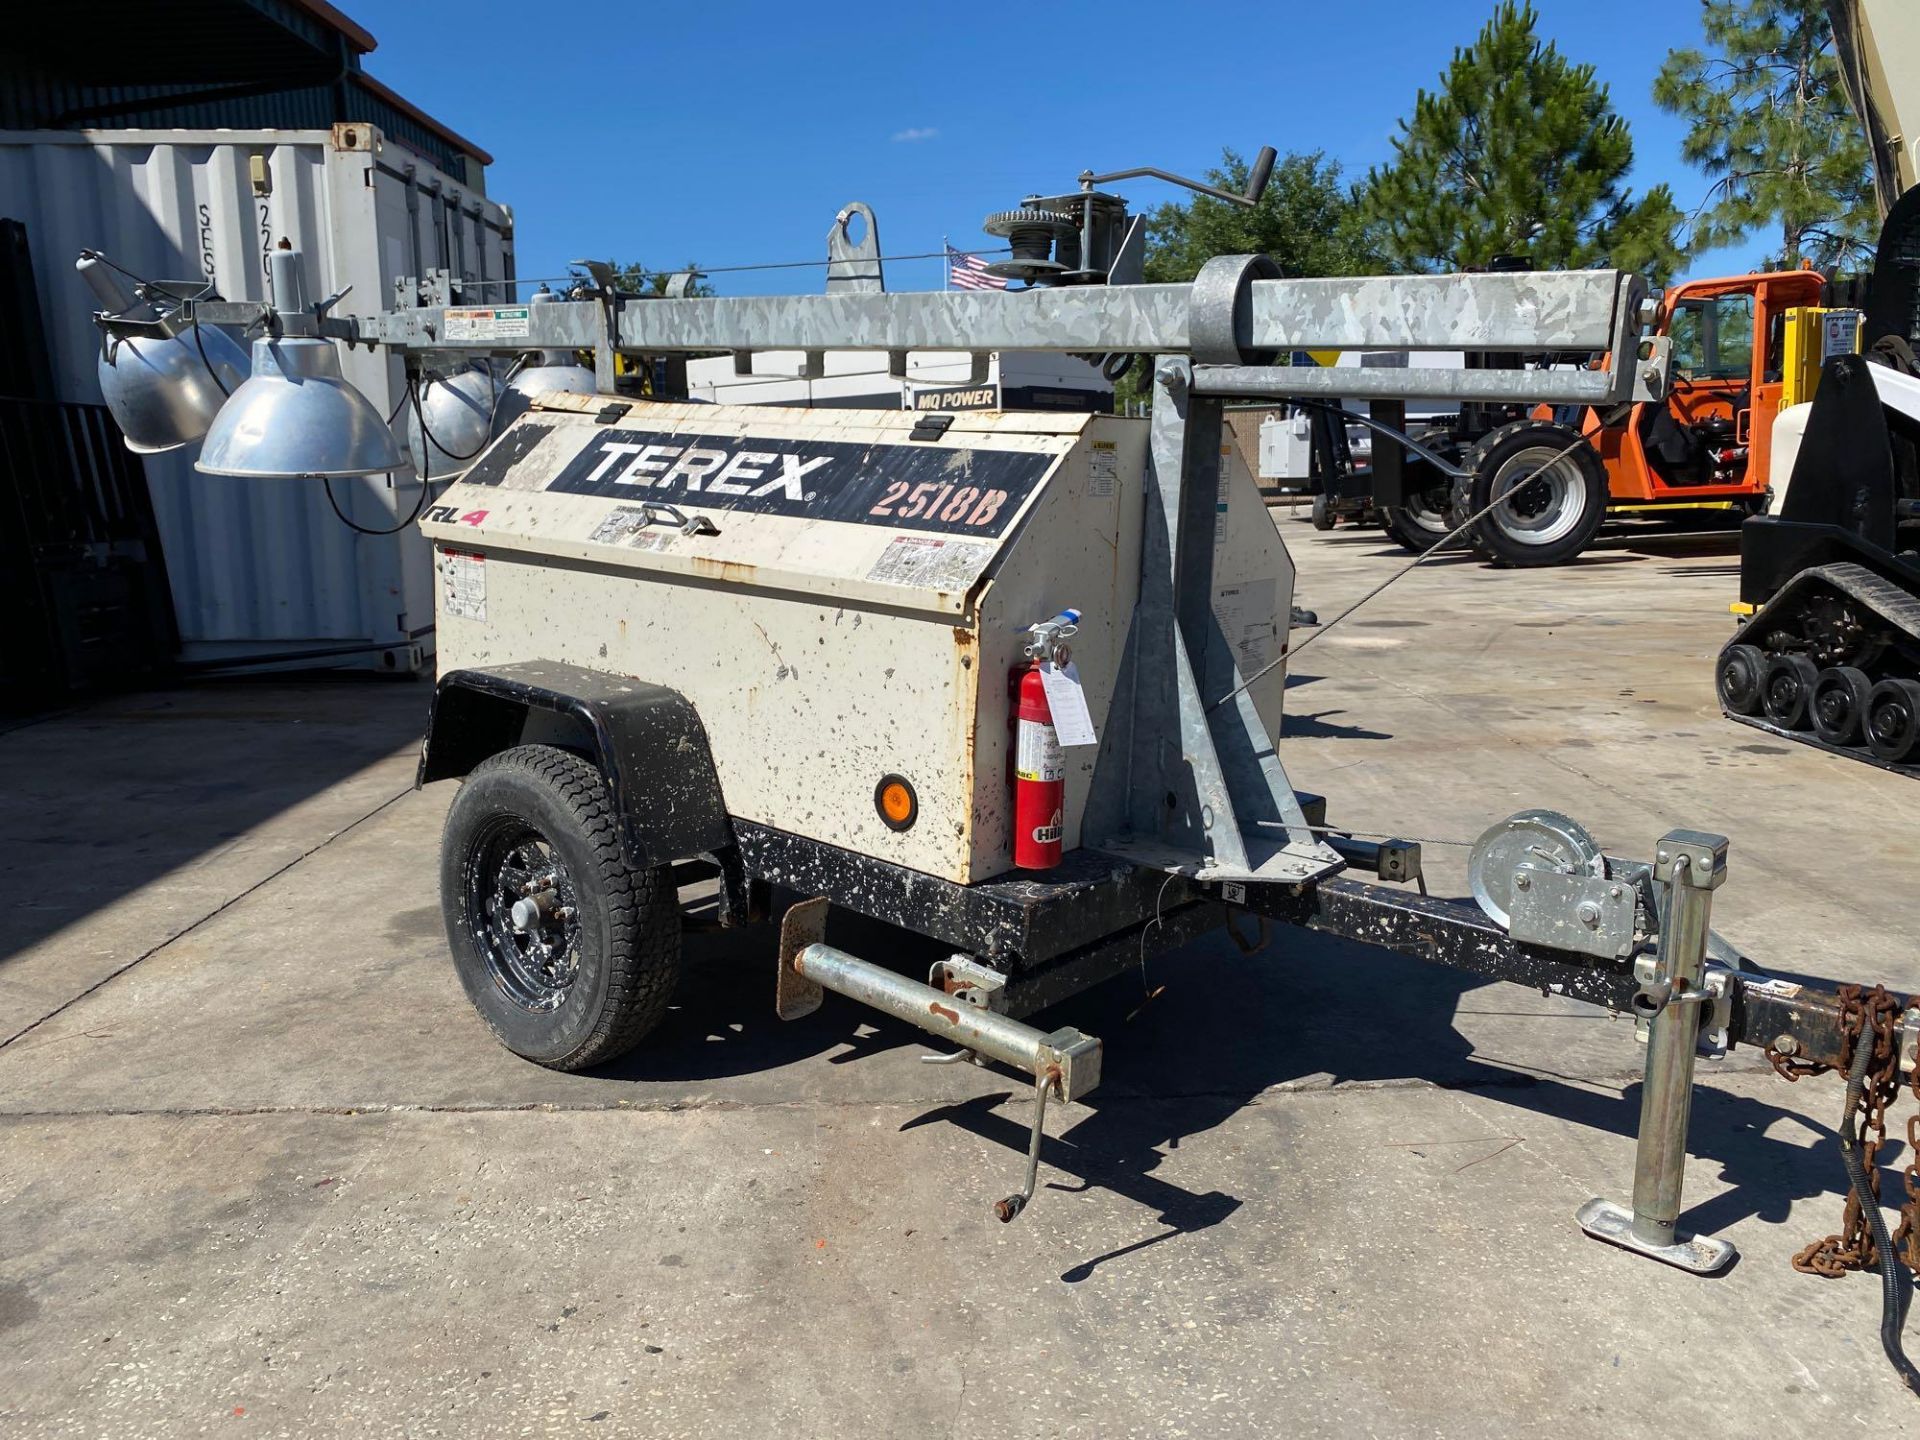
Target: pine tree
[[1519, 152], [1772, 129]]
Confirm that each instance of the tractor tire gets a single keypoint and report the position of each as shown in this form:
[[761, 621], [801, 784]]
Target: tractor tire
[[569, 953], [1421, 523], [1555, 514]]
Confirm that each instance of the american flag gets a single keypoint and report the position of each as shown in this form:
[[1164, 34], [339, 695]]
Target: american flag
[[969, 272]]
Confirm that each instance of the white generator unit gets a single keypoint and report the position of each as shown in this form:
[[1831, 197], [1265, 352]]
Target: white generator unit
[[855, 607]]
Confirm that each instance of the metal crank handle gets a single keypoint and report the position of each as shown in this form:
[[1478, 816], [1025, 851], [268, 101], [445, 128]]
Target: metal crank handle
[[1008, 1210]]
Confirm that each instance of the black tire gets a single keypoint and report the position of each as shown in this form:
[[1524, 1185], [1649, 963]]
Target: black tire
[[1421, 523], [1740, 678], [569, 990], [1788, 689], [1322, 512], [1555, 514], [1839, 704], [1892, 722]]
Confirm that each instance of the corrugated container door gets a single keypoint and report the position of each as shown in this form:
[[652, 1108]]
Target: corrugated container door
[[262, 572]]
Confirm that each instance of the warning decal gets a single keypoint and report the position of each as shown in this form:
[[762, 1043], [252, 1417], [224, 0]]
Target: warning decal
[[499, 322], [463, 584]]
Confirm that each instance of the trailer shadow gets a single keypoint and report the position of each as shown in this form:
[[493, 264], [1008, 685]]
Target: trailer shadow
[[1333, 1016], [1223, 1032]]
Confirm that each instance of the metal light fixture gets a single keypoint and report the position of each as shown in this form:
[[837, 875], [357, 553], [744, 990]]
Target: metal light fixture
[[163, 382], [297, 417], [451, 422]]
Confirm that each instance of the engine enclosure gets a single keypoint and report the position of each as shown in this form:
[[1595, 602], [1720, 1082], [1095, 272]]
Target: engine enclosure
[[840, 600]]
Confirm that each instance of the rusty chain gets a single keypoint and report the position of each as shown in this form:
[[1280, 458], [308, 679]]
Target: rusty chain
[[1863, 1014]]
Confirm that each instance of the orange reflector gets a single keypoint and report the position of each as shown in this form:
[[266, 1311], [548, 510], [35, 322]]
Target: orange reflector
[[896, 802]]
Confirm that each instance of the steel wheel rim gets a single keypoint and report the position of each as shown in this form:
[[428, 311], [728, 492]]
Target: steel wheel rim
[[1551, 500], [1783, 692], [533, 964], [1739, 681], [1428, 517], [1834, 709], [1889, 722]]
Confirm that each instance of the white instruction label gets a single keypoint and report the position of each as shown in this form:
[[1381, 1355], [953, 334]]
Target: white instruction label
[[1220, 496], [1067, 699], [1248, 619], [494, 322], [1037, 754], [928, 562], [463, 584], [1103, 469]]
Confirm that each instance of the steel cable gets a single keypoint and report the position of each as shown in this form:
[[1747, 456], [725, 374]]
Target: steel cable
[[1512, 492]]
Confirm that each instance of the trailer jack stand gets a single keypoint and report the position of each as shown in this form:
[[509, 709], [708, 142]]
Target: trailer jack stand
[[1066, 1062], [1694, 865]]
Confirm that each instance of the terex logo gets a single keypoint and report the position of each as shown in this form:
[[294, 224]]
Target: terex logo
[[713, 472], [947, 488]]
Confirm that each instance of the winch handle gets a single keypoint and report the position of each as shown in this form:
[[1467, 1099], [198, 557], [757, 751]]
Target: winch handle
[[1262, 172], [1256, 179]]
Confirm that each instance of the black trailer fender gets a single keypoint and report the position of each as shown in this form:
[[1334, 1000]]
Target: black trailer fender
[[646, 739]]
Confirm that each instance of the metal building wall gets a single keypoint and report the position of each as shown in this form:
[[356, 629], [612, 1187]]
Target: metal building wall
[[261, 572], [30, 99]]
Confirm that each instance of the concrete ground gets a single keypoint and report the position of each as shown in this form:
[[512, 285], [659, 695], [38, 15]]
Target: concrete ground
[[263, 1172]]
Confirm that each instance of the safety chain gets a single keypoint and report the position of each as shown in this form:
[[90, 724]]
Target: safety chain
[[1879, 1013]]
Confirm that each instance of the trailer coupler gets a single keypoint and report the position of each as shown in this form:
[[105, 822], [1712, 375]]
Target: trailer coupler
[[1065, 1063]]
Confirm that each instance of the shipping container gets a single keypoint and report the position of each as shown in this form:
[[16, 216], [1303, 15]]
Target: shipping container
[[263, 574]]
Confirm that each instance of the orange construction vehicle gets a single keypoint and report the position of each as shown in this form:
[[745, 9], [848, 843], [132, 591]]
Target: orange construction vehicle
[[1742, 348]]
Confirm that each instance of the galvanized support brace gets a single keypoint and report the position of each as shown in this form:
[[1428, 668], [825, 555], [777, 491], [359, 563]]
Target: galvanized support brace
[[1184, 782]]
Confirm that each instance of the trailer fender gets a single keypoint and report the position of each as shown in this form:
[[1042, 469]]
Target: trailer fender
[[646, 740]]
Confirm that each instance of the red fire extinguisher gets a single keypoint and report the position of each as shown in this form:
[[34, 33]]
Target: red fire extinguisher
[[1039, 777]]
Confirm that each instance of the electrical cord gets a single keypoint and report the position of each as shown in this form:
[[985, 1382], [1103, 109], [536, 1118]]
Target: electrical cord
[[419, 411], [1896, 1291], [419, 508], [201, 346]]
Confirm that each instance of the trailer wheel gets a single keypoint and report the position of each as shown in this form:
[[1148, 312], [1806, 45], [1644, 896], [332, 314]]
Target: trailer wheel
[[1740, 677], [1789, 687], [569, 953], [1421, 523], [1839, 703], [1893, 719], [1559, 499], [1323, 512]]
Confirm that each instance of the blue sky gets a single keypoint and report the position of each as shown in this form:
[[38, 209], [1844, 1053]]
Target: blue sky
[[730, 133]]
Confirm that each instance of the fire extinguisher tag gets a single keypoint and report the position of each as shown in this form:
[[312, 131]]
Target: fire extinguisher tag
[[1067, 700], [1037, 755]]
